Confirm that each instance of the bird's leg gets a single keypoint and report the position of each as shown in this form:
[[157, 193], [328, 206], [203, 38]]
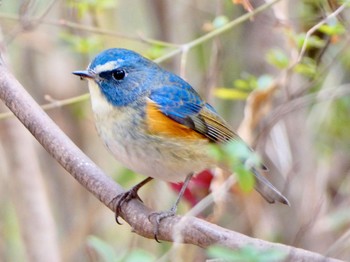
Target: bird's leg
[[156, 217], [127, 196]]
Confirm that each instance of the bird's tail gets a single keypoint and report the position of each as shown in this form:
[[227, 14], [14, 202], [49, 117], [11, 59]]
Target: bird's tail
[[267, 190]]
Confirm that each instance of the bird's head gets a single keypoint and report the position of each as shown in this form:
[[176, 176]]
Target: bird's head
[[122, 76]]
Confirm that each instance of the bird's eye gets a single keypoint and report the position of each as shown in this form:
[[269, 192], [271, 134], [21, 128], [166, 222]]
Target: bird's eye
[[118, 74]]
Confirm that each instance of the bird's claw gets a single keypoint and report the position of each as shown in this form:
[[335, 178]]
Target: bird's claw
[[123, 198], [156, 217]]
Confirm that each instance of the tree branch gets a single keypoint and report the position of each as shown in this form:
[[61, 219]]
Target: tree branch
[[190, 229]]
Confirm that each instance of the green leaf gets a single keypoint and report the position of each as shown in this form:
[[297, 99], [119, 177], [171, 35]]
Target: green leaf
[[241, 159], [124, 176], [307, 67], [242, 84], [245, 178], [247, 82], [332, 29], [264, 81], [104, 250], [223, 253], [155, 51], [277, 58], [312, 41], [220, 21], [83, 45], [229, 93], [347, 2], [216, 152], [242, 87], [237, 150], [139, 255], [84, 6], [246, 254], [107, 254]]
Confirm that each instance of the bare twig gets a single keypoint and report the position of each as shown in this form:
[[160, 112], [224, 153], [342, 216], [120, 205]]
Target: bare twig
[[26, 22], [216, 32], [301, 102], [315, 28], [195, 231], [53, 104], [87, 28]]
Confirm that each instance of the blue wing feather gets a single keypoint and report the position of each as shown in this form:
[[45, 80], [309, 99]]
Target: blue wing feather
[[177, 102], [180, 102]]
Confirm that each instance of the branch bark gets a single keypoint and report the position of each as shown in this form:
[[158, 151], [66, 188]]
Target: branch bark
[[189, 230]]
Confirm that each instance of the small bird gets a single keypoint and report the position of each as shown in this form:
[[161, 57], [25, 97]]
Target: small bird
[[156, 124]]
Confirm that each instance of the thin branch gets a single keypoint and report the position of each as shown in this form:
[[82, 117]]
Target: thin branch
[[315, 28], [25, 21], [53, 104], [90, 29], [193, 230], [216, 32], [179, 48], [298, 103]]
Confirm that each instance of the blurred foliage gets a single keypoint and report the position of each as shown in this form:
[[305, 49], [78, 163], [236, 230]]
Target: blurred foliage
[[220, 21], [243, 87], [83, 7], [106, 252], [82, 45], [155, 51], [103, 249], [331, 29], [313, 41], [277, 58], [246, 254], [307, 67], [240, 158], [337, 124], [11, 230]]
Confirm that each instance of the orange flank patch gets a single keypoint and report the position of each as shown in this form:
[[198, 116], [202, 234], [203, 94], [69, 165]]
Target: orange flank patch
[[160, 124]]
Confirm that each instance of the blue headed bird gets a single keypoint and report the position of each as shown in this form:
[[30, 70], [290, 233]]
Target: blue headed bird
[[155, 123]]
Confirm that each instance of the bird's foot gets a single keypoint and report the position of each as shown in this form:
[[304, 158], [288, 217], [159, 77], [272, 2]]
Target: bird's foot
[[123, 198], [156, 217], [127, 196]]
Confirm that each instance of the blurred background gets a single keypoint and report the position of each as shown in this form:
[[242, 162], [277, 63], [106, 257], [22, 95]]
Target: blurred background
[[287, 98]]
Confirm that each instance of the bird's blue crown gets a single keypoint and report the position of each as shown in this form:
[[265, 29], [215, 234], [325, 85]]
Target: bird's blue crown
[[123, 56], [122, 75]]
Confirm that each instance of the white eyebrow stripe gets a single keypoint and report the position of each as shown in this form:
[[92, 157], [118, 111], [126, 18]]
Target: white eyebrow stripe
[[109, 66]]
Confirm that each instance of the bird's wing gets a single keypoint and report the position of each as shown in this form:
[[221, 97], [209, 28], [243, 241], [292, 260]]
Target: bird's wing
[[188, 111], [160, 124]]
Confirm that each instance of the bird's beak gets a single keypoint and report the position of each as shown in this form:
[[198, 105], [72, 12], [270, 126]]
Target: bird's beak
[[83, 74]]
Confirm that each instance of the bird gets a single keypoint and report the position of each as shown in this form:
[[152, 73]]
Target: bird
[[156, 124]]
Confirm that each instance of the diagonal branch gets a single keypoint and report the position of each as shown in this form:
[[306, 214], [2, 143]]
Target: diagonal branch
[[193, 230]]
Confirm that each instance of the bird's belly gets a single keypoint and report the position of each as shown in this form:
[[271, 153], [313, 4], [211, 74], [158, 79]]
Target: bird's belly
[[155, 156]]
